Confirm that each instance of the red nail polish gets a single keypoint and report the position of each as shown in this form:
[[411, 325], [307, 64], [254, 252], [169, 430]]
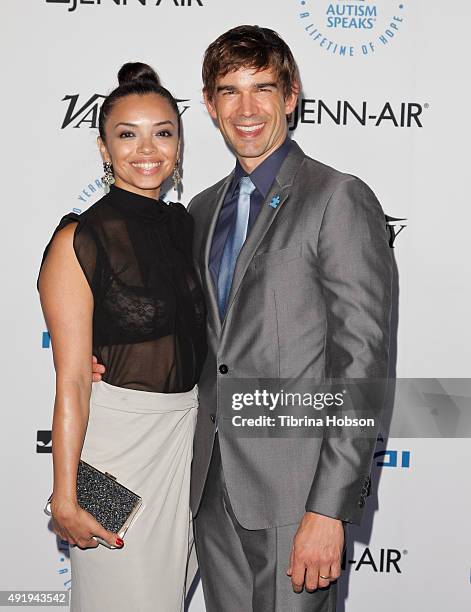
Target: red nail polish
[[119, 542]]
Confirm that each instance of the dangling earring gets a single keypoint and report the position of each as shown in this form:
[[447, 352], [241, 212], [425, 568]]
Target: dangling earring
[[176, 177], [108, 178]]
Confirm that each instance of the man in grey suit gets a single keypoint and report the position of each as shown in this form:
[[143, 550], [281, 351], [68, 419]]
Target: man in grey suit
[[294, 260], [296, 268]]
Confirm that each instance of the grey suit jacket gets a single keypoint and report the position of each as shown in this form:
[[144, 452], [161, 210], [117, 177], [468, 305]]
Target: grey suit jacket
[[311, 298]]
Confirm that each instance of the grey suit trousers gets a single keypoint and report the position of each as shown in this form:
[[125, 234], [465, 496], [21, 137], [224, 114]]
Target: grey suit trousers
[[244, 570]]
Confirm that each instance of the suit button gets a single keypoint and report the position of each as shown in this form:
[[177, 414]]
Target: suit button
[[213, 417], [223, 368]]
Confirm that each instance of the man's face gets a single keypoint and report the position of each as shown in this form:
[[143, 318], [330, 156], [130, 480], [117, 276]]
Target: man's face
[[251, 110]]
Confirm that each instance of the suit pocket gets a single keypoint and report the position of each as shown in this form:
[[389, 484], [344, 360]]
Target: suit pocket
[[273, 258]]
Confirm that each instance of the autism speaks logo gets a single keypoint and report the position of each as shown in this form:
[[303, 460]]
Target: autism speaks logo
[[351, 28]]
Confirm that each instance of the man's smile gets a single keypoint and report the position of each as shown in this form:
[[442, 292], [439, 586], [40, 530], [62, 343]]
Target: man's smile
[[250, 131]]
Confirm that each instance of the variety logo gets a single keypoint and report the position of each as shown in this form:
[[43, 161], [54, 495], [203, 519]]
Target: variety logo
[[344, 112], [73, 4], [44, 441], [348, 29], [86, 113], [392, 458], [386, 560], [395, 227]]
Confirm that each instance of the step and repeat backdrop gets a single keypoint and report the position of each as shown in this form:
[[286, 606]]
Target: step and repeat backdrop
[[385, 96]]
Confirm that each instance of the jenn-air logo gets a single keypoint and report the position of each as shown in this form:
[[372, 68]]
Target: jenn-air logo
[[84, 113], [73, 4], [359, 112], [384, 560]]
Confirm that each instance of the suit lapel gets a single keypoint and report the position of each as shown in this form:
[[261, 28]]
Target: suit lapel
[[281, 188], [206, 243]]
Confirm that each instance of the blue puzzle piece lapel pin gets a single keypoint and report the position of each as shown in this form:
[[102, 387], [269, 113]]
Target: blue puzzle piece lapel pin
[[275, 201]]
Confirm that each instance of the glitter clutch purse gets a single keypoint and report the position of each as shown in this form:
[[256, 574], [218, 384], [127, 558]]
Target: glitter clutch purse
[[113, 505]]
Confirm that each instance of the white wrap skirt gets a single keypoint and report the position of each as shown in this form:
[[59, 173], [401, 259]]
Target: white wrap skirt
[[145, 440]]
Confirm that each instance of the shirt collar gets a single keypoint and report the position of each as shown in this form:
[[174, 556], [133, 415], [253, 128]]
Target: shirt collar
[[264, 174], [136, 205]]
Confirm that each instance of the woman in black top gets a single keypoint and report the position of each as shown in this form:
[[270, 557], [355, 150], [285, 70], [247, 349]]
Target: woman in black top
[[118, 281]]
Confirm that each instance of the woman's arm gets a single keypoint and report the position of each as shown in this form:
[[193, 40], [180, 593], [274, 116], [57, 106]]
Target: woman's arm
[[67, 303]]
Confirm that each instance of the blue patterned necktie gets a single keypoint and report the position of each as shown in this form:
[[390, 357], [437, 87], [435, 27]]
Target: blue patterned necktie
[[234, 242]]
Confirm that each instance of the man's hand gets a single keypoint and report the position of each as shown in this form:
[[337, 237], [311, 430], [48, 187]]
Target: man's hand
[[317, 549], [97, 370]]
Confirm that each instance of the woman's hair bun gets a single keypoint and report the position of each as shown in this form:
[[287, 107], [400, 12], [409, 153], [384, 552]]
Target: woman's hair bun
[[137, 71]]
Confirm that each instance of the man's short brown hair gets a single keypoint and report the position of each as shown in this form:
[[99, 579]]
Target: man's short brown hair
[[249, 47]]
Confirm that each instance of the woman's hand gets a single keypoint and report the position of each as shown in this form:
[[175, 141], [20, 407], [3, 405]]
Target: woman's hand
[[77, 526]]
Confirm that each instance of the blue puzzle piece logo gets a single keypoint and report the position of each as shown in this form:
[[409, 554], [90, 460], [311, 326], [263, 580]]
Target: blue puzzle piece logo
[[275, 201]]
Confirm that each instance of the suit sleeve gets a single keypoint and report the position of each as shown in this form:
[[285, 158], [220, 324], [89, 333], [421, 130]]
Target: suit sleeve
[[356, 266], [191, 203]]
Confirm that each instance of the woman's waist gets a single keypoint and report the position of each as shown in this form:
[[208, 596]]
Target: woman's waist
[[135, 400], [151, 367]]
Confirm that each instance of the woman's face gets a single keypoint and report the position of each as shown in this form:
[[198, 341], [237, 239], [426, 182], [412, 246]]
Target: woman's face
[[142, 142]]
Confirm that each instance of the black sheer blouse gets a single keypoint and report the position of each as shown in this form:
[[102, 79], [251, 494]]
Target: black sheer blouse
[[149, 313]]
